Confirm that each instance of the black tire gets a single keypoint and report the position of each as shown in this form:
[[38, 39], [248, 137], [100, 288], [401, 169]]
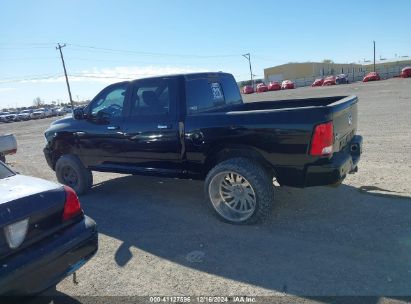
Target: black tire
[[70, 171], [3, 158], [257, 176]]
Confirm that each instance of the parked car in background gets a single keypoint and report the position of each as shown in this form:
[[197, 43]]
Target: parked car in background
[[47, 112], [8, 145], [2, 114], [341, 79], [329, 80], [406, 72], [9, 117], [372, 76], [318, 82], [25, 114], [53, 111], [45, 234], [61, 111], [274, 86], [211, 134], [248, 89], [37, 114], [262, 87], [287, 85]]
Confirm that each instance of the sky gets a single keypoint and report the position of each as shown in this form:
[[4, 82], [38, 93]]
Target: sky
[[109, 41]]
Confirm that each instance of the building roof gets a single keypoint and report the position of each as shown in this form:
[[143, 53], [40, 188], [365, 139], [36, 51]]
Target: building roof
[[398, 59]]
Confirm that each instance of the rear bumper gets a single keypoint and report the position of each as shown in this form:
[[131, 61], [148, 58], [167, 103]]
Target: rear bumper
[[334, 170], [46, 263]]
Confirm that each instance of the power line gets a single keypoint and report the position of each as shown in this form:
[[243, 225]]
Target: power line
[[24, 48], [151, 53], [27, 79], [27, 58], [26, 43]]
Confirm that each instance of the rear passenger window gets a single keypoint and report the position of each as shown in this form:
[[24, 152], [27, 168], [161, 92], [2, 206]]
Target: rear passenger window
[[208, 94], [153, 97]]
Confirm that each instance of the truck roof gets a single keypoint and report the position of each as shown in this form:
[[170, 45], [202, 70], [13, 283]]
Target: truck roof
[[186, 75]]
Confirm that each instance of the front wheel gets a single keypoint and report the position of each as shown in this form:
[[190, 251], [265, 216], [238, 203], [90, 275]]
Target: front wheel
[[70, 171], [240, 191]]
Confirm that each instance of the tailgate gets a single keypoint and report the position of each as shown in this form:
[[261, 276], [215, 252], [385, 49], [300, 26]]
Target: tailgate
[[344, 121]]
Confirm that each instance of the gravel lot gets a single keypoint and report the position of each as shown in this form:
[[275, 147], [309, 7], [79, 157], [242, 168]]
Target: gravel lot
[[158, 238]]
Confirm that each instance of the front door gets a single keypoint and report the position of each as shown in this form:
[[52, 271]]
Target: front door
[[101, 142]]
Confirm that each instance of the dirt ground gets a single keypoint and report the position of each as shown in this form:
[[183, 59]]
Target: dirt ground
[[158, 238]]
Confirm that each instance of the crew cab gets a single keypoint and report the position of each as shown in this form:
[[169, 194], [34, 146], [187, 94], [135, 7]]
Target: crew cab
[[196, 126]]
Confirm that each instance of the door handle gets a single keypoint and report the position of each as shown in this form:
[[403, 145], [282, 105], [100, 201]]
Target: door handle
[[163, 126], [197, 138], [113, 127]]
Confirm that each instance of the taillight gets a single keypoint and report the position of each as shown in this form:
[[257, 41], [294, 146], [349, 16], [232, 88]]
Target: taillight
[[72, 206], [323, 139]]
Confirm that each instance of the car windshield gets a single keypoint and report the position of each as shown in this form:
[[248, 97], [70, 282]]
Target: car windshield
[[4, 171]]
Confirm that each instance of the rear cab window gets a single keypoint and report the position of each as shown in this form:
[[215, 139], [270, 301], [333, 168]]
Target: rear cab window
[[208, 93]]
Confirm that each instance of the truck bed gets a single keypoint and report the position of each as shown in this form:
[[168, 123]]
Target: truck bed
[[279, 130], [292, 104]]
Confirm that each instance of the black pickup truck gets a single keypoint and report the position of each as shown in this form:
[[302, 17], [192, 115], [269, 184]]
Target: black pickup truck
[[196, 126]]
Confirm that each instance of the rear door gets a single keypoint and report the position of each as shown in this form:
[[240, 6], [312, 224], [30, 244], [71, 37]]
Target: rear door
[[151, 128]]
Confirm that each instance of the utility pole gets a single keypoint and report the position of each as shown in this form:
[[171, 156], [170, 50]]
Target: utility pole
[[59, 47], [248, 57], [374, 55]]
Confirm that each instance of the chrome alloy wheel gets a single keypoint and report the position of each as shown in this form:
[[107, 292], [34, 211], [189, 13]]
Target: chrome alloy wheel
[[232, 196]]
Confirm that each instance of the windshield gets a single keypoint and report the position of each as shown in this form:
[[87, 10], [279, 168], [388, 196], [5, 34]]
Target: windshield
[[4, 171]]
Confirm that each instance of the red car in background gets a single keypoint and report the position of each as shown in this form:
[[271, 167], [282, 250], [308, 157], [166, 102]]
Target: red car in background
[[372, 76], [262, 87], [329, 80], [406, 72], [274, 86], [318, 82], [287, 85], [248, 89]]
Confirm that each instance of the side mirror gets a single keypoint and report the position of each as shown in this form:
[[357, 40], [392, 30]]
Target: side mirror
[[78, 114]]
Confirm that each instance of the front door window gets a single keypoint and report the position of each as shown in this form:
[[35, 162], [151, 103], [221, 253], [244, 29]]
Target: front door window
[[109, 103]]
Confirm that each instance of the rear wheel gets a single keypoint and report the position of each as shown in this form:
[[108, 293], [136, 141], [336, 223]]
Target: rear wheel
[[3, 158], [240, 191], [71, 172]]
